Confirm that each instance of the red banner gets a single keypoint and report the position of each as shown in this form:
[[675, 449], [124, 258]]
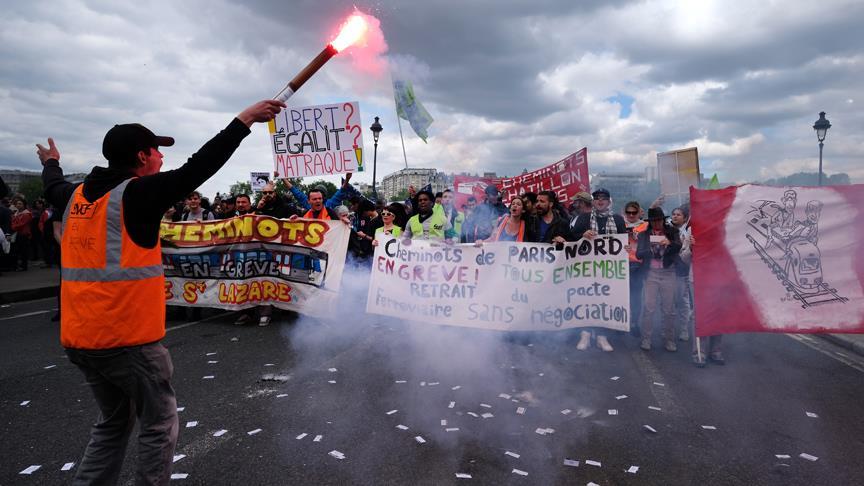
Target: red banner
[[778, 259], [566, 177]]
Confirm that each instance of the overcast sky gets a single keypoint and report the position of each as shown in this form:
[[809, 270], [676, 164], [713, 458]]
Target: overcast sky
[[511, 85]]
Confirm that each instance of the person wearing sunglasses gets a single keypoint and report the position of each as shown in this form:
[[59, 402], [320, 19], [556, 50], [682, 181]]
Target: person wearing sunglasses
[[600, 221], [388, 216], [635, 225]]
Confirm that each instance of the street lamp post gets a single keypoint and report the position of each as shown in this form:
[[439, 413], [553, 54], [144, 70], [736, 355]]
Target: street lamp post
[[376, 132], [821, 126]]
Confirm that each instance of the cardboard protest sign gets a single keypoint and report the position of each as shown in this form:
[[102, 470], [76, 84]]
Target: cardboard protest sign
[[504, 286], [678, 170], [257, 180], [778, 259], [252, 260], [317, 140], [566, 178]]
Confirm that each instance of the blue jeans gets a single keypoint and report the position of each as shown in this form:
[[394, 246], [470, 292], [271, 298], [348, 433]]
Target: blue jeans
[[128, 383]]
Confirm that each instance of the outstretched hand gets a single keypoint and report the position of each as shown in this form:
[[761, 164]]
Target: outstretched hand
[[260, 112], [49, 153]]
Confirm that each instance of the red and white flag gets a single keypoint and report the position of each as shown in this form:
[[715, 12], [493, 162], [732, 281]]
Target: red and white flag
[[778, 259]]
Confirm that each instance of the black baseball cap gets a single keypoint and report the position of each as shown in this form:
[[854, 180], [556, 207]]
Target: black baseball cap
[[124, 141]]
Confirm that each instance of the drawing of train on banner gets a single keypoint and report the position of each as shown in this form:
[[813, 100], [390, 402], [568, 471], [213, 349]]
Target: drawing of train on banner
[[795, 260], [297, 264]]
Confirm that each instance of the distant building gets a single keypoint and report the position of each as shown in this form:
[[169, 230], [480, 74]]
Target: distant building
[[14, 177], [394, 183], [618, 182], [651, 173]]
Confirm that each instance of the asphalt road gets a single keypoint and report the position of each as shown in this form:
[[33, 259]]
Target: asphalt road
[[338, 379]]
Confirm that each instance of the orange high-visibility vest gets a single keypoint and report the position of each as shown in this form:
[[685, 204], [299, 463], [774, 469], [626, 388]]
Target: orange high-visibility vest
[[520, 235], [323, 214], [112, 290]]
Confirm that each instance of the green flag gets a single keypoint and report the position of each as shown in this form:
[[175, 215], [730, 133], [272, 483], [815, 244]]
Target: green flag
[[714, 183], [409, 108]]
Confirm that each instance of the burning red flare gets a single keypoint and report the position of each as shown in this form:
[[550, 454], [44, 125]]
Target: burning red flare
[[352, 30]]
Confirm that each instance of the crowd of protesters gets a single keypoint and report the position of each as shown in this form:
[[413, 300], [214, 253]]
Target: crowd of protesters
[[659, 248]]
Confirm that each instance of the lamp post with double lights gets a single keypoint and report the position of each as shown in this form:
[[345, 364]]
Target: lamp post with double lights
[[821, 126], [376, 132]]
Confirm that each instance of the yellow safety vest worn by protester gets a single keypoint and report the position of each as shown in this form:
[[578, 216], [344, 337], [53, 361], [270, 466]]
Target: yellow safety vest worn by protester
[[112, 289]]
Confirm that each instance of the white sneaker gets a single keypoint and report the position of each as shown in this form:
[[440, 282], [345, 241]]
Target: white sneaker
[[603, 344], [584, 341]]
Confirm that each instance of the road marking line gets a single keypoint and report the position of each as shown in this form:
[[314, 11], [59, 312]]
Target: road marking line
[[812, 343], [662, 394], [181, 326], [36, 313]]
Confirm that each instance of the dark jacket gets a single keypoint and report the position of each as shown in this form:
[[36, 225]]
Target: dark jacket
[[583, 224], [645, 253], [558, 227], [146, 198]]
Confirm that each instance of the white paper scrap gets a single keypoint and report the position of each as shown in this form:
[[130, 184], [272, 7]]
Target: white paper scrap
[[504, 396], [208, 377], [434, 383], [615, 378], [633, 469], [24, 403], [253, 432], [487, 415], [299, 437], [473, 414], [269, 364], [31, 469], [422, 383], [49, 367], [520, 410], [709, 427], [179, 475], [782, 456], [804, 455], [337, 454], [332, 370], [402, 427], [463, 476], [180, 409], [401, 381], [512, 454], [520, 472], [177, 457], [650, 429], [443, 422], [571, 463], [653, 408], [452, 404], [219, 433], [456, 387], [391, 412], [318, 438], [613, 411], [452, 429], [67, 466], [191, 423], [211, 354], [282, 395], [485, 405], [540, 431], [659, 384], [566, 411], [332, 382], [590, 462], [212, 362], [592, 483], [812, 415], [419, 439], [620, 397]]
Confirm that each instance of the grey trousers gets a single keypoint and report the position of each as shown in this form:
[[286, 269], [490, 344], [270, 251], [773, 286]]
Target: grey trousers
[[660, 287], [683, 303], [128, 383]]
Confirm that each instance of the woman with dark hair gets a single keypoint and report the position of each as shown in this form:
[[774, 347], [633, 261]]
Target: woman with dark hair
[[511, 226], [658, 249]]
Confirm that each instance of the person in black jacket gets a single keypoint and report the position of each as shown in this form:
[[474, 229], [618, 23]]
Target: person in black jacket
[[599, 221], [658, 248], [547, 226], [134, 382]]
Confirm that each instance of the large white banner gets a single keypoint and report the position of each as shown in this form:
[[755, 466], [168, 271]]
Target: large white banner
[[317, 140], [504, 286], [252, 260]]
